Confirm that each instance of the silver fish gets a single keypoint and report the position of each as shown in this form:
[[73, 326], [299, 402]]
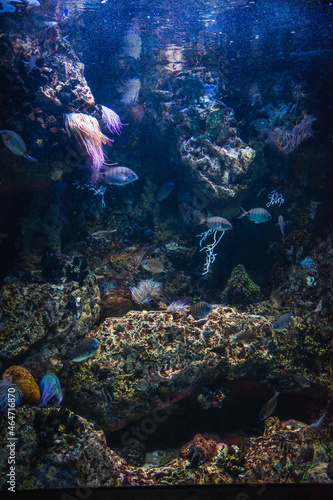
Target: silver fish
[[200, 310], [102, 234], [268, 408], [84, 349], [243, 336], [118, 176], [31, 64], [15, 144], [283, 320], [217, 223], [281, 224], [257, 215], [153, 265]]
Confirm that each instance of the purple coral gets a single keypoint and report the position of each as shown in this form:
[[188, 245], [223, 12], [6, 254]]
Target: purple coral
[[111, 120], [50, 387]]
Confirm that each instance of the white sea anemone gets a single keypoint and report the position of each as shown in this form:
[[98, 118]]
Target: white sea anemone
[[146, 291]]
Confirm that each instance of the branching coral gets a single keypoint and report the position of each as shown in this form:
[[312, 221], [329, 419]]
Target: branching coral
[[146, 292], [87, 132]]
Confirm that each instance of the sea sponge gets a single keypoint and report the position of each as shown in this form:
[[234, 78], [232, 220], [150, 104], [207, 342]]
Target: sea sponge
[[23, 379]]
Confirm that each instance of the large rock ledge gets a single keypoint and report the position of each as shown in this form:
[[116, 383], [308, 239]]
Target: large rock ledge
[[147, 360]]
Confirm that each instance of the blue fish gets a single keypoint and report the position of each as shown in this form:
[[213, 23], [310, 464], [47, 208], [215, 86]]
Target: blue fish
[[7, 6], [118, 176], [84, 349], [65, 14], [316, 425], [15, 144], [164, 192], [283, 320], [257, 215]]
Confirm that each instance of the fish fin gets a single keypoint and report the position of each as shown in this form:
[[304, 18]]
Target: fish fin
[[30, 158], [243, 213]]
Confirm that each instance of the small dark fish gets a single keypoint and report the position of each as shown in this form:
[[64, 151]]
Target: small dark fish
[[153, 265], [164, 192], [283, 320], [243, 335], [84, 349], [200, 309], [319, 306], [268, 408], [257, 215], [102, 234], [301, 381], [217, 223], [118, 176]]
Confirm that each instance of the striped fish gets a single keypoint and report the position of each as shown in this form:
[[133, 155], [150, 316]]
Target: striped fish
[[257, 215]]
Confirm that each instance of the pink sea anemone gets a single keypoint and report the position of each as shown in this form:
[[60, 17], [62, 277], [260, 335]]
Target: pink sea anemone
[[111, 120], [86, 130]]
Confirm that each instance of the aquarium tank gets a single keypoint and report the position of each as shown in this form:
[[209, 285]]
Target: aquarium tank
[[166, 237]]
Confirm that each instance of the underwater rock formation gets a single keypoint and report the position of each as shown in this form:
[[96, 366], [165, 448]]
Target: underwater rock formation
[[48, 312], [58, 450], [148, 360], [215, 160]]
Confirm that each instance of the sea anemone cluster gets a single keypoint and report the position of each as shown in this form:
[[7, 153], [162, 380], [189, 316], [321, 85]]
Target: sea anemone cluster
[[86, 130], [131, 91], [50, 387], [240, 288], [111, 120], [146, 291]]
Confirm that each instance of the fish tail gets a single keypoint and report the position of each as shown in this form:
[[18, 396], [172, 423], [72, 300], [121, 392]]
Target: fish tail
[[30, 158], [243, 213]]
